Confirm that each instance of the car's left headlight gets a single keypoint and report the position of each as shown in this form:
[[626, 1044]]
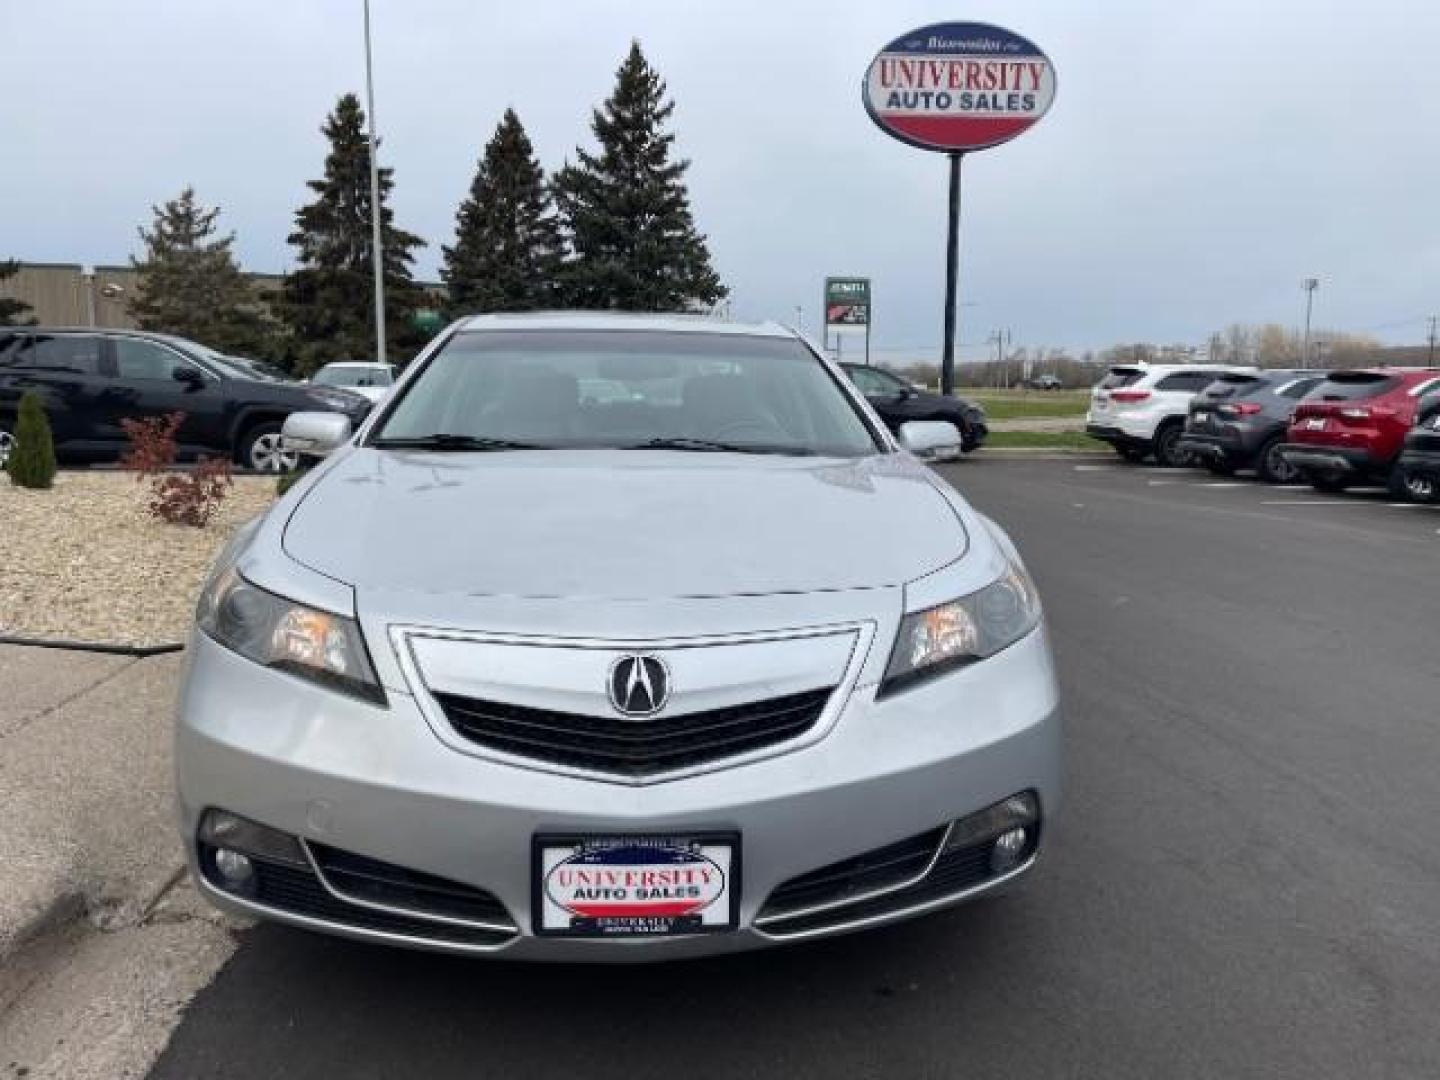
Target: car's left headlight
[[317, 645], [962, 631]]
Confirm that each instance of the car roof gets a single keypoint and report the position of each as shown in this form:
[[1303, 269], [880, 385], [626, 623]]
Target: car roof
[[676, 322], [355, 363]]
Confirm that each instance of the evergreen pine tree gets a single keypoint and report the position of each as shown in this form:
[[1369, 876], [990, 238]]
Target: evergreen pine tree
[[31, 462], [328, 301], [189, 283], [626, 210], [12, 312], [507, 243]]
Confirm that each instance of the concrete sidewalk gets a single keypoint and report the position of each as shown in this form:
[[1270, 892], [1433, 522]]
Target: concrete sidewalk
[[85, 790]]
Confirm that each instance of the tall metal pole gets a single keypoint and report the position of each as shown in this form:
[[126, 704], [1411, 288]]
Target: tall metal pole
[[377, 252], [1309, 284], [1431, 361], [952, 278]]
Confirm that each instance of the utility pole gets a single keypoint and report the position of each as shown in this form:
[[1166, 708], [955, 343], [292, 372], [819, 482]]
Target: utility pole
[[1433, 320], [1309, 284], [377, 253]]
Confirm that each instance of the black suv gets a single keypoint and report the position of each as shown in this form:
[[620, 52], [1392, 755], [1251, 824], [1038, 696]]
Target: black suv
[[1420, 460], [1240, 419], [90, 380], [897, 402]]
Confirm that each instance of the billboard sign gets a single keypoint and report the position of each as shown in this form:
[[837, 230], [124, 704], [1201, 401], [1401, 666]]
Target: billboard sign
[[847, 303], [957, 87]]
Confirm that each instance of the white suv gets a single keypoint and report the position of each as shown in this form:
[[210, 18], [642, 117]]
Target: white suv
[[1140, 409]]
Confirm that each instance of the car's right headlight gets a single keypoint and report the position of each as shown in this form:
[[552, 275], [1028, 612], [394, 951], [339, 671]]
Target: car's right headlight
[[960, 632], [317, 645]]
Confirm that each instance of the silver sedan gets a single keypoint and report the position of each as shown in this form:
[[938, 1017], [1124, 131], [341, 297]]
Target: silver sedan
[[703, 662]]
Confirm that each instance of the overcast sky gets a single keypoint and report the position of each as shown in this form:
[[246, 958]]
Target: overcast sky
[[1200, 159]]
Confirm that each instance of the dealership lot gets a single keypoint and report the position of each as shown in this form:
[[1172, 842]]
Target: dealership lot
[[1244, 883]]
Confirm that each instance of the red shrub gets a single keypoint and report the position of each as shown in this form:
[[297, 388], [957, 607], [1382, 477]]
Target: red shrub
[[191, 498], [181, 498]]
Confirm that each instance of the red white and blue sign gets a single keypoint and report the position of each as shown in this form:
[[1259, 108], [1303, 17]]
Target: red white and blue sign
[[630, 885], [957, 87]]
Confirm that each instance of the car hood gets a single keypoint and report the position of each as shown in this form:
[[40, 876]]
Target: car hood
[[621, 524]]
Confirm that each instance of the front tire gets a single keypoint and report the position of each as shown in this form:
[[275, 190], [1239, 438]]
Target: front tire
[[1167, 447], [260, 449], [1422, 488], [1271, 467]]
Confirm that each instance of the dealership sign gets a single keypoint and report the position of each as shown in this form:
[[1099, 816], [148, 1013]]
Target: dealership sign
[[957, 87], [847, 302]]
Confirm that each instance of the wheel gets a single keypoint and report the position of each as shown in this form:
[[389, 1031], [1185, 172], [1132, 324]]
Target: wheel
[[1130, 454], [7, 445], [1167, 447], [1398, 484], [1331, 485], [1422, 488], [260, 450], [1273, 468]]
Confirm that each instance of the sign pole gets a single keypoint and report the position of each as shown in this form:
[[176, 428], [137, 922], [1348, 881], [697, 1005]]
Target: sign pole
[[952, 278]]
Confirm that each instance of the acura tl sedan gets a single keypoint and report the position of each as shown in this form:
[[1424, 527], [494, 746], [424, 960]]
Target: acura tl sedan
[[711, 663]]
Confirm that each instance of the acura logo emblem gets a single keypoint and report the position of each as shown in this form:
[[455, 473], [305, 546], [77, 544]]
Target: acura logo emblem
[[639, 685]]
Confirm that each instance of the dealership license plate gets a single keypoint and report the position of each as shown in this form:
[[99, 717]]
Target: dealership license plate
[[1201, 417], [636, 886], [1318, 424]]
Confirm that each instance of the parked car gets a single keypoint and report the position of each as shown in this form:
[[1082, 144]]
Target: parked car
[[1352, 428], [1420, 456], [518, 674], [1046, 382], [90, 380], [372, 381], [1140, 409], [1239, 421], [899, 402]]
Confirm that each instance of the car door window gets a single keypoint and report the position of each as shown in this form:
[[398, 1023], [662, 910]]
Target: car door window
[[1299, 388], [136, 359], [75, 354]]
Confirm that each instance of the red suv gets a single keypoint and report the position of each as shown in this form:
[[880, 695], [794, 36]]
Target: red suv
[[1352, 427]]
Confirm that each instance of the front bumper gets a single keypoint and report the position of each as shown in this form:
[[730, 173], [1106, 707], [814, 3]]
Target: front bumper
[[379, 784]]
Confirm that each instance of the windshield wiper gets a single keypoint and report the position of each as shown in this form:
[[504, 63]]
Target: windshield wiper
[[715, 446], [444, 443]]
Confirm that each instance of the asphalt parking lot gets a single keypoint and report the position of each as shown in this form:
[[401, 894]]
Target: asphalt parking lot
[[1245, 881]]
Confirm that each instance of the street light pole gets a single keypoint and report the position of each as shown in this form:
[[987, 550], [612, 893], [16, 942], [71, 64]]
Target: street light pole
[[1309, 284], [377, 253]]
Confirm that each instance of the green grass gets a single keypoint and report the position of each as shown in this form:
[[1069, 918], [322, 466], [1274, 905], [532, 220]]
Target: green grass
[[1049, 440], [1014, 404]]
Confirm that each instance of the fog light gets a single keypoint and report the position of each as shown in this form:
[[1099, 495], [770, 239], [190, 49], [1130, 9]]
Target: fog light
[[1008, 850], [235, 869], [230, 832]]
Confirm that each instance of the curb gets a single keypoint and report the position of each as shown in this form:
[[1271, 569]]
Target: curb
[[92, 646]]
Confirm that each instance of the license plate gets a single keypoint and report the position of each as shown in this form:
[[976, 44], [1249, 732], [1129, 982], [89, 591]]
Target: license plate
[[1318, 424], [636, 886], [1201, 417]]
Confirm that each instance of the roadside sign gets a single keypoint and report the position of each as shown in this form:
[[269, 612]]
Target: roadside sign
[[847, 302], [957, 87]]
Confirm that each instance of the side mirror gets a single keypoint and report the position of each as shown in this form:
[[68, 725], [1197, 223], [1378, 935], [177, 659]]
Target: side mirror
[[189, 376], [926, 438], [314, 434]]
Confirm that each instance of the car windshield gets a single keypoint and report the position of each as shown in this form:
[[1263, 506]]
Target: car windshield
[[353, 376], [626, 389]]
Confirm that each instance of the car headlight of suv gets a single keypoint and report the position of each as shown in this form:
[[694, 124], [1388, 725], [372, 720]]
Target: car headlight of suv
[[278, 633], [960, 632]]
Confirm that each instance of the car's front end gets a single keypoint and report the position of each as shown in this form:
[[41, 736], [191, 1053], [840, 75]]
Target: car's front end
[[615, 704]]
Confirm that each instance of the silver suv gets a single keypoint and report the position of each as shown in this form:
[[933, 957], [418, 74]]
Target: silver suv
[[706, 662]]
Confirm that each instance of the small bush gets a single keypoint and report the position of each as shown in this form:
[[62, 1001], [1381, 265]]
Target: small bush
[[193, 497], [152, 443], [32, 460], [180, 498]]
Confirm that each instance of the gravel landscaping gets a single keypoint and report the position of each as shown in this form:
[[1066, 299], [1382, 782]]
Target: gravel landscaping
[[85, 562]]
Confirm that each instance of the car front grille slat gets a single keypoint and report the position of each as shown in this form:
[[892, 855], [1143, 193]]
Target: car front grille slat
[[383, 883], [633, 747], [878, 869]]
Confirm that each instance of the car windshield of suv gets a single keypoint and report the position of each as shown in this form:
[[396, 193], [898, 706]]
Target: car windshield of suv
[[633, 390], [1352, 386], [353, 376]]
